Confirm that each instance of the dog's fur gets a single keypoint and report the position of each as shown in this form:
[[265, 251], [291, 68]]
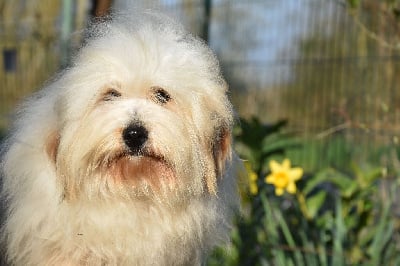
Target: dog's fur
[[77, 194]]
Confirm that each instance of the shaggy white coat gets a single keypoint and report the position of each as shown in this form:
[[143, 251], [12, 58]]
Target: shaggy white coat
[[75, 196]]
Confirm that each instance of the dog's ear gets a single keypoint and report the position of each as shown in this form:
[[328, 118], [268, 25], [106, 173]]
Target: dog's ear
[[221, 151], [52, 143], [221, 148]]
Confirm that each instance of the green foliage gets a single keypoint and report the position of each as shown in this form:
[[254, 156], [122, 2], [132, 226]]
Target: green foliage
[[336, 217], [257, 142]]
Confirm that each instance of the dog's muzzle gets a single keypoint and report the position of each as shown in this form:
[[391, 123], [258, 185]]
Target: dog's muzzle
[[135, 136]]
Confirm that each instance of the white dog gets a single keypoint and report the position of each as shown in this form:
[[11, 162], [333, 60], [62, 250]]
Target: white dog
[[124, 159]]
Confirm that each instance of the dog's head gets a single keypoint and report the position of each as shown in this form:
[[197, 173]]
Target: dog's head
[[142, 113]]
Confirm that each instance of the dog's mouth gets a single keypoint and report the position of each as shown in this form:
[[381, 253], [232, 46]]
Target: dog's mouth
[[140, 154], [141, 166]]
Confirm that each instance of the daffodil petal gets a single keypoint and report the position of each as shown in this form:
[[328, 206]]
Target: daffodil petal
[[286, 164], [253, 188], [279, 191], [274, 166], [295, 173], [270, 179], [291, 188], [253, 176]]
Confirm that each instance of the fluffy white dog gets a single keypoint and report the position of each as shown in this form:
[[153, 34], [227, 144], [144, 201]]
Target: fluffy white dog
[[125, 158]]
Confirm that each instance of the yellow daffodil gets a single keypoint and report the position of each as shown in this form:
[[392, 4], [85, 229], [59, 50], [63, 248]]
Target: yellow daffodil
[[252, 178], [283, 177]]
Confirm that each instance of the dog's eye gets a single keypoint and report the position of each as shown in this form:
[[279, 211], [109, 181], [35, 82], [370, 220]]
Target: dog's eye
[[111, 94], [160, 95]]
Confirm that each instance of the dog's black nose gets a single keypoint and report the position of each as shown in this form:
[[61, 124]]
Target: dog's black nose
[[135, 136]]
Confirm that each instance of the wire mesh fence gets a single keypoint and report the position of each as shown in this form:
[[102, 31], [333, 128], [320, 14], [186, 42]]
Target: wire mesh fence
[[330, 69]]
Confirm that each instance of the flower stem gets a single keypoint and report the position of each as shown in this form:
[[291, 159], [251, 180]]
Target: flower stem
[[303, 205]]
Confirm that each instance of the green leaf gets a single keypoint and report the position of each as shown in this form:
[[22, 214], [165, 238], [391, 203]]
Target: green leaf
[[347, 185], [366, 175], [326, 220], [315, 202], [339, 235], [278, 147], [321, 177], [253, 131], [384, 232], [280, 222]]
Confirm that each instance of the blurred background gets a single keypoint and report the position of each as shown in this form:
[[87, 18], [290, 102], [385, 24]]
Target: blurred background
[[329, 67], [324, 72]]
